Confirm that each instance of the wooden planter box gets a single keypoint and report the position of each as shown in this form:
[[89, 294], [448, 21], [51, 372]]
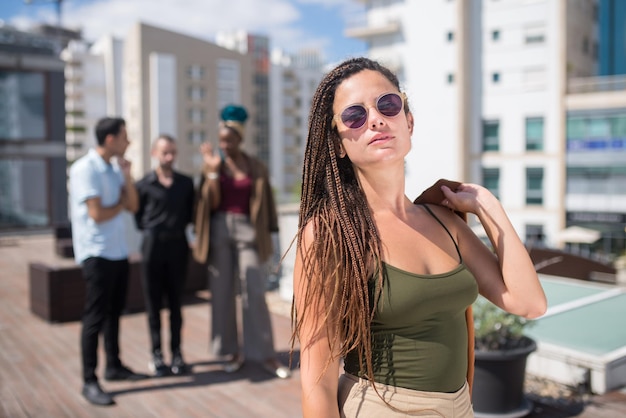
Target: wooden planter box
[[57, 293]]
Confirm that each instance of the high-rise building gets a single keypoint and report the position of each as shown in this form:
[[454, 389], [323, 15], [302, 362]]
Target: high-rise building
[[612, 25], [257, 47], [486, 82], [177, 84], [93, 89], [293, 80], [595, 147], [32, 132]]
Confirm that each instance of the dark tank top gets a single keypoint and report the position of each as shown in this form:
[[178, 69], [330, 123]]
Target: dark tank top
[[419, 331]]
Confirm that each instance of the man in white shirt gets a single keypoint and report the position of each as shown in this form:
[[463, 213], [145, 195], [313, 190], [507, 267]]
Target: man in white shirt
[[100, 189]]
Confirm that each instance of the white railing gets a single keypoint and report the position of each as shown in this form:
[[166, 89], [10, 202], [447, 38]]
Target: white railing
[[596, 84]]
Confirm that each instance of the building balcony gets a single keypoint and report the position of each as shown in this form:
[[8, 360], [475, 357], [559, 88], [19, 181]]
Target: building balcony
[[363, 30], [73, 90], [73, 72], [74, 119], [596, 84]]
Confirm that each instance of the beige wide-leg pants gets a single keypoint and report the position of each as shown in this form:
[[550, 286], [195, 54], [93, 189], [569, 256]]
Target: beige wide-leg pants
[[234, 268], [357, 398]]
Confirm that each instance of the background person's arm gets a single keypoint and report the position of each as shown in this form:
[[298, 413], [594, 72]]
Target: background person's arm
[[130, 198], [99, 213]]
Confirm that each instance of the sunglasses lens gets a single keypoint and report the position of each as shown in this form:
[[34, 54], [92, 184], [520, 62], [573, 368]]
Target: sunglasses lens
[[354, 116], [389, 104]]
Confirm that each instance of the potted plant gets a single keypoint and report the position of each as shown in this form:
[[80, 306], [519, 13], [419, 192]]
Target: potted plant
[[501, 350]]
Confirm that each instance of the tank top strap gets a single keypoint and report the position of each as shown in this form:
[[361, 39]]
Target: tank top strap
[[444, 227]]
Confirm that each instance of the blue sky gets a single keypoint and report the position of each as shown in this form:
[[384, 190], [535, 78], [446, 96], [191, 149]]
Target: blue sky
[[291, 24]]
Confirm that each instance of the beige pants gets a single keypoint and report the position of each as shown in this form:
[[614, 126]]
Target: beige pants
[[357, 398], [234, 268]]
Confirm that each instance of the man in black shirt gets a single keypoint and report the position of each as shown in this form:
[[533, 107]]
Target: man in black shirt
[[166, 199]]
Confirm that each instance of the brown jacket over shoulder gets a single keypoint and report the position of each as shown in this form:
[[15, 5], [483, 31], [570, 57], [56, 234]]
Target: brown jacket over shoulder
[[263, 214], [435, 196]]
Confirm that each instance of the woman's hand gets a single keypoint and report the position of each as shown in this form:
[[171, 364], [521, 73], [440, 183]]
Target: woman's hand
[[469, 198], [211, 159]]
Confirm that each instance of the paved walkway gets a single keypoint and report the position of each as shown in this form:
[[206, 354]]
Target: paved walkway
[[40, 366]]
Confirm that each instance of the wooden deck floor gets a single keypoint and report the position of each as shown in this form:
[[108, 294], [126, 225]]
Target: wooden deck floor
[[40, 363]]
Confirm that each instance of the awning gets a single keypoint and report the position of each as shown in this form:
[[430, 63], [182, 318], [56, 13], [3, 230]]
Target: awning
[[578, 235]]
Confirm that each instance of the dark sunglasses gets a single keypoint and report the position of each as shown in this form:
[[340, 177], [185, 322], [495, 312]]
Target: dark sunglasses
[[355, 116]]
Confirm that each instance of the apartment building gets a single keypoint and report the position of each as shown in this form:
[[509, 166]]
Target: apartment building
[[257, 47], [177, 84], [486, 80], [277, 90], [612, 26], [32, 132], [596, 159], [93, 89], [293, 80]]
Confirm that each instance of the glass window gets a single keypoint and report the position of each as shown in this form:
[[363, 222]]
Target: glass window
[[195, 72], [196, 137], [22, 106], [491, 180], [535, 34], [534, 186], [495, 77], [491, 135], [196, 115], [23, 193], [450, 36], [228, 84], [598, 128], [618, 126], [450, 78], [495, 35], [576, 128], [534, 134], [195, 93], [227, 71], [534, 235]]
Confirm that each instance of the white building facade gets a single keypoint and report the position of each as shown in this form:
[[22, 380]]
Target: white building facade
[[486, 83], [293, 80], [92, 90]]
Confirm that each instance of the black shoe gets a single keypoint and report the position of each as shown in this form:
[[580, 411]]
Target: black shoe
[[122, 373], [94, 394], [157, 365], [178, 364]]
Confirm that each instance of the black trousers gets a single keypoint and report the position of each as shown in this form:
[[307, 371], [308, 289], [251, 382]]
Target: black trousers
[[164, 270], [106, 285]]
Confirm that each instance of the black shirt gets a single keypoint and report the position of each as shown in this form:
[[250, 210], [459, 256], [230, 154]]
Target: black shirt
[[167, 209]]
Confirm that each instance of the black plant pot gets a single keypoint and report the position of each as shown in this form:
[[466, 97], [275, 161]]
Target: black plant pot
[[498, 389]]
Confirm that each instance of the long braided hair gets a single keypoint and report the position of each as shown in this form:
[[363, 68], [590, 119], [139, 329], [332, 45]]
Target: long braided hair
[[346, 253]]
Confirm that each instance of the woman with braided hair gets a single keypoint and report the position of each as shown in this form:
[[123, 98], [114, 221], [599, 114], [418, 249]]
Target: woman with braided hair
[[381, 283]]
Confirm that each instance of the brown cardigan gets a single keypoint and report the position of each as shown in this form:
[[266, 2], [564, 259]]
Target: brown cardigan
[[435, 196], [263, 214]]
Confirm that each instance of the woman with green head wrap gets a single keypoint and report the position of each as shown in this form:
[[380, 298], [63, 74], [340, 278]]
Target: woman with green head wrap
[[235, 218]]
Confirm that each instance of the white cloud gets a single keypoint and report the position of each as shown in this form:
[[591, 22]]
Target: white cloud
[[200, 18], [282, 20]]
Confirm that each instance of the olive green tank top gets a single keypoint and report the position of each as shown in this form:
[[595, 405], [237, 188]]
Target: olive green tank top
[[419, 331]]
